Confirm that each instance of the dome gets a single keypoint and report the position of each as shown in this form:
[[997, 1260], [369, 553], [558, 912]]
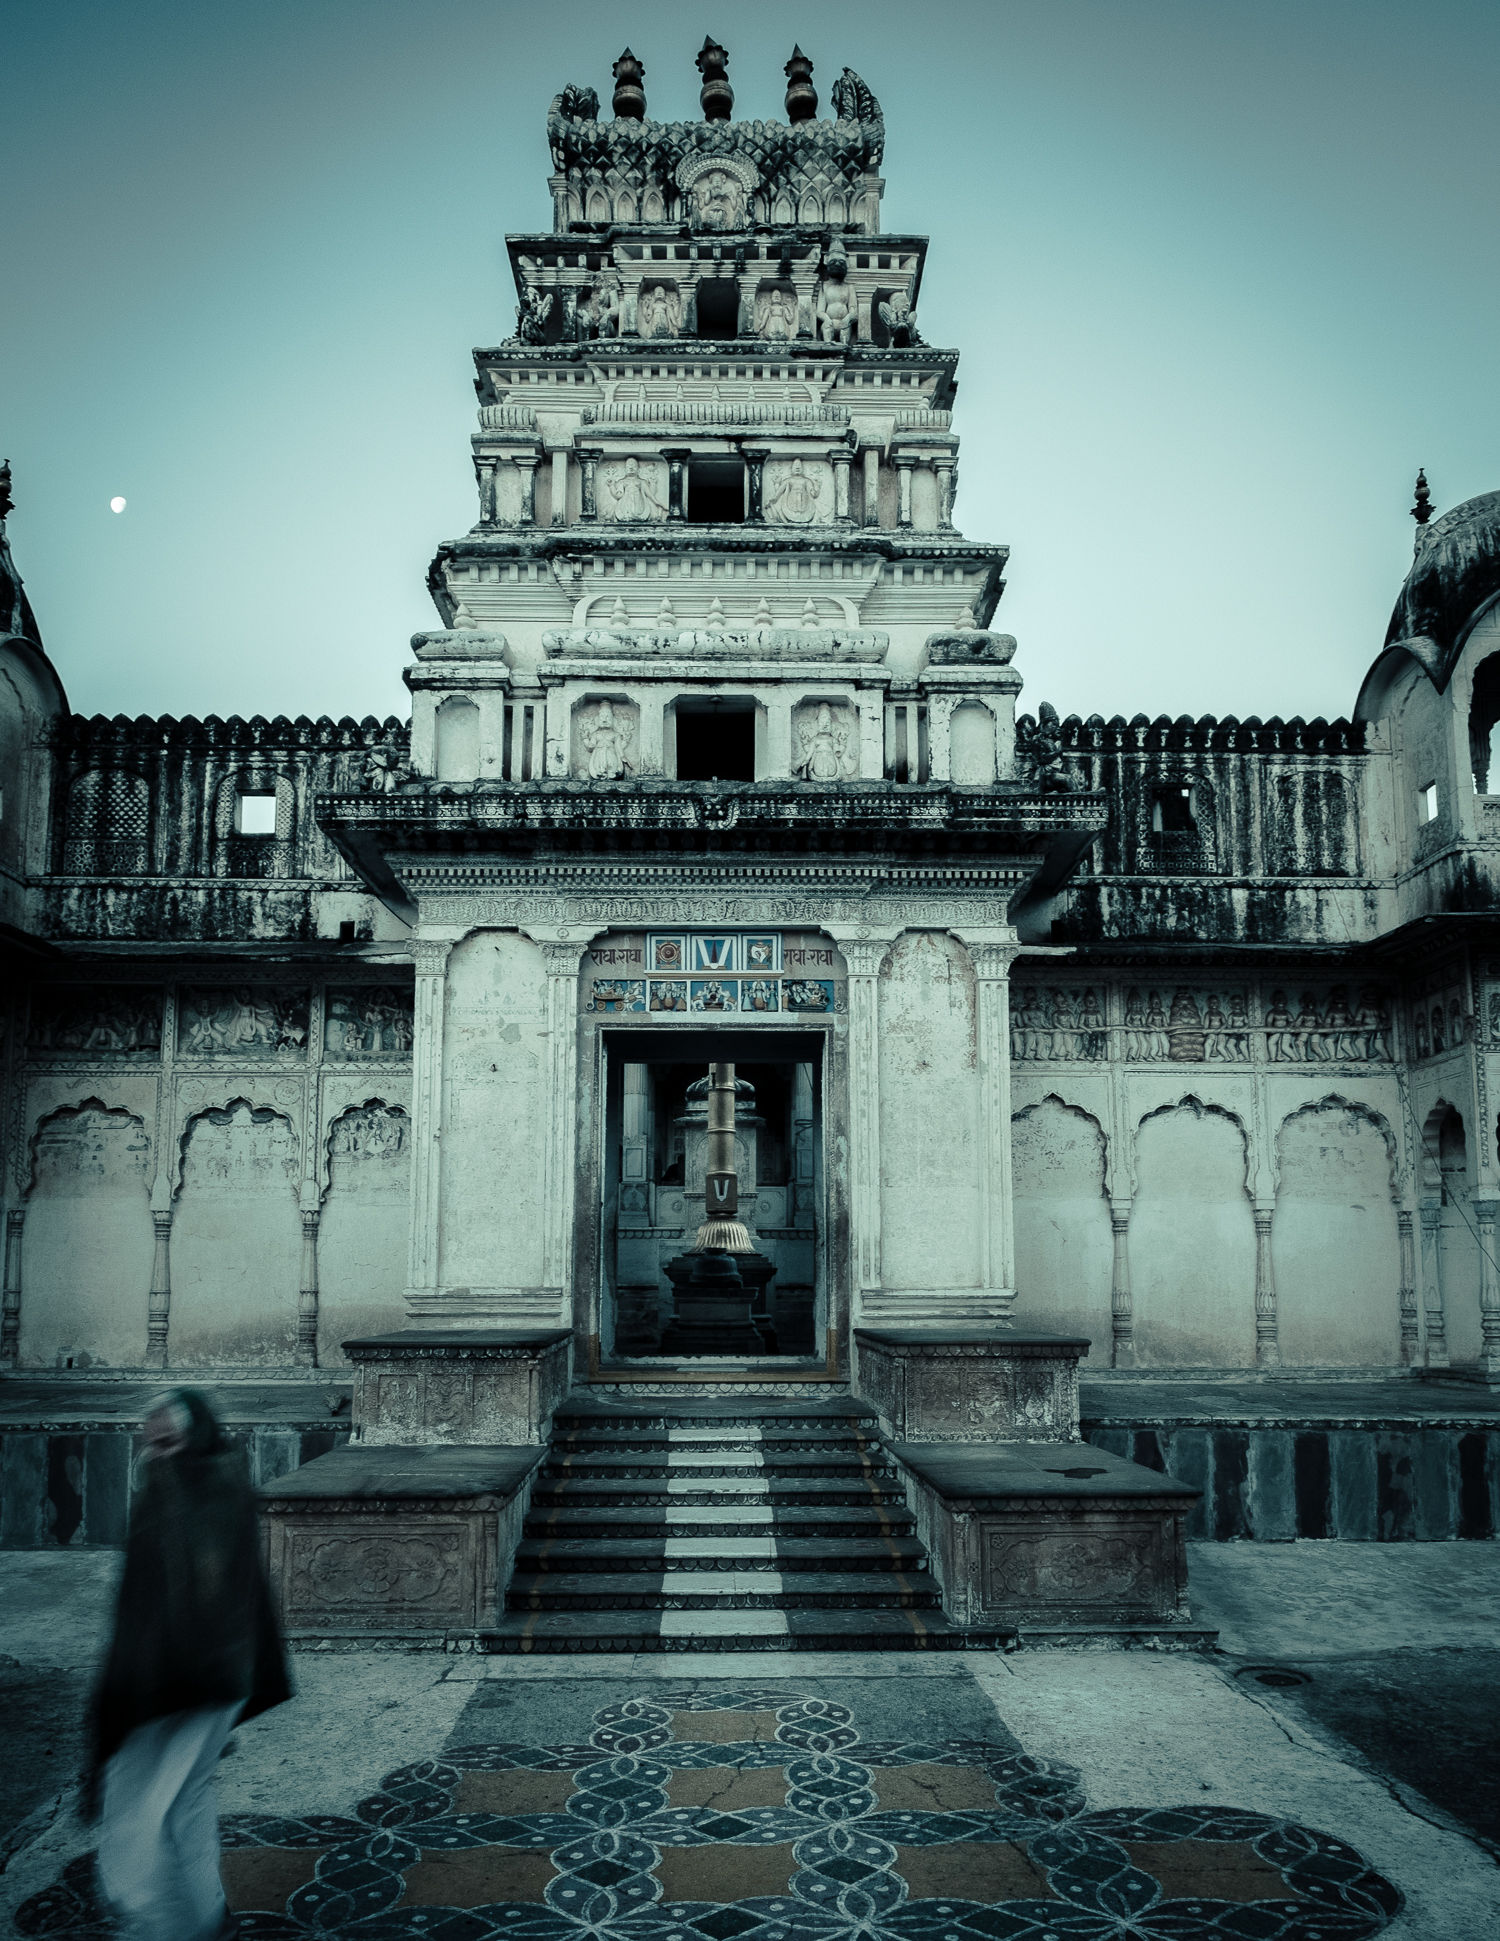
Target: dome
[[1456, 573]]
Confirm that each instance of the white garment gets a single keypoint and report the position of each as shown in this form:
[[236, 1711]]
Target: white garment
[[159, 1833]]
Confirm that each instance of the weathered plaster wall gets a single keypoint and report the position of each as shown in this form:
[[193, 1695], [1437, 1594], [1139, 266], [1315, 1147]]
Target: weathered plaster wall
[[929, 1115], [362, 1234], [495, 1115], [236, 1238]]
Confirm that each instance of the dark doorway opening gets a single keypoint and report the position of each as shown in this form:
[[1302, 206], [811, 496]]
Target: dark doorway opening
[[719, 307], [716, 491], [716, 743], [653, 1186]]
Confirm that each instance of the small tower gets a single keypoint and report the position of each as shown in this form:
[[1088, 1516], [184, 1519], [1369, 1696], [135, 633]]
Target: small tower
[[801, 95], [629, 101], [716, 95]]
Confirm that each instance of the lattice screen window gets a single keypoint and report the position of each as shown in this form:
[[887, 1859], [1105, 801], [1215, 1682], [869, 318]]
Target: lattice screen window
[[107, 830], [256, 823]]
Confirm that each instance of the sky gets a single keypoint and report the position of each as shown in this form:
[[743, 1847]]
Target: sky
[[1222, 276]]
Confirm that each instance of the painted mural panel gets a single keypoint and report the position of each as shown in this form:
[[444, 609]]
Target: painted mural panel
[[88, 1241], [1064, 1247], [362, 1235], [236, 1239], [1192, 1241], [368, 1022], [104, 1021], [929, 1115], [1334, 1245], [240, 1021]]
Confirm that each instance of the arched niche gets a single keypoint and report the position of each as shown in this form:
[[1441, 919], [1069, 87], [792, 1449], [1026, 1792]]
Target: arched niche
[[1192, 1239], [456, 740], [88, 1239], [1335, 1250], [362, 1235], [1445, 1174], [236, 1238], [971, 745], [1064, 1244]]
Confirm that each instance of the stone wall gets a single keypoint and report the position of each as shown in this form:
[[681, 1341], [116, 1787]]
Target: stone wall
[[207, 1166]]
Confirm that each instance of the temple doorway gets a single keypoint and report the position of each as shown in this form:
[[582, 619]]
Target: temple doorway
[[653, 1178]]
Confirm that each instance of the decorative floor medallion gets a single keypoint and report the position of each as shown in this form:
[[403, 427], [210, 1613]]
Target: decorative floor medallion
[[747, 1813]]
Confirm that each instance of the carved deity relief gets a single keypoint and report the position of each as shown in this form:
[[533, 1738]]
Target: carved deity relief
[[241, 1021], [628, 492], [119, 1021], [658, 312], [825, 742], [604, 732], [836, 313], [794, 495], [717, 201], [366, 1022], [776, 316]]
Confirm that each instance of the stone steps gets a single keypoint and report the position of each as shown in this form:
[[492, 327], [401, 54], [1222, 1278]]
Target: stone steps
[[721, 1525]]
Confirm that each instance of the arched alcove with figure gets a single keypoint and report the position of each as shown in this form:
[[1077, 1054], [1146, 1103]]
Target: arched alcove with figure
[[236, 1239], [362, 1235], [1335, 1250], [1192, 1240], [1064, 1243], [88, 1239]]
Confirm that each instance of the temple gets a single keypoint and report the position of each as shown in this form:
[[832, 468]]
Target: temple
[[382, 1048]]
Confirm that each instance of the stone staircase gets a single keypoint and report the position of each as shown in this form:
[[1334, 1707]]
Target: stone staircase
[[741, 1524]]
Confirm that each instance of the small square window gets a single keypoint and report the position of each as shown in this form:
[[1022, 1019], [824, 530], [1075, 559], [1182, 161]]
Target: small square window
[[255, 813], [1172, 811], [1427, 803]]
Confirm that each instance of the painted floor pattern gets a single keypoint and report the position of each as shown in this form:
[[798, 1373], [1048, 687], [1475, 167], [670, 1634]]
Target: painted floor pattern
[[761, 1812]]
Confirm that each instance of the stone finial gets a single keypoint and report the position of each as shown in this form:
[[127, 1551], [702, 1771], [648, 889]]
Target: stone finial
[[7, 503], [1422, 510], [629, 102], [716, 95], [801, 95]]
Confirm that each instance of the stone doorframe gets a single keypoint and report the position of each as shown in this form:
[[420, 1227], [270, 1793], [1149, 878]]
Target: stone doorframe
[[606, 1036]]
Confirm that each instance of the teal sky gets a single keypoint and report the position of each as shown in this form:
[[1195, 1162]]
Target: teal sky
[[1222, 277]]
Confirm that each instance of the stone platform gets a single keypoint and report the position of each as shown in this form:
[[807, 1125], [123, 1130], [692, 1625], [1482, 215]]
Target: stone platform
[[386, 1540]]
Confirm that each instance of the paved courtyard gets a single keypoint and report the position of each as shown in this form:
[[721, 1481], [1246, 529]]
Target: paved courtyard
[[1093, 1797]]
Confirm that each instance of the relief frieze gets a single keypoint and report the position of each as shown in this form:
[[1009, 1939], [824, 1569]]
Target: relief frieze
[[1179, 1024], [242, 1021], [368, 1023]]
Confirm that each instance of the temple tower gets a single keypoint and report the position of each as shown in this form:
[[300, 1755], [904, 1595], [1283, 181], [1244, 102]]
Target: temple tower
[[714, 756]]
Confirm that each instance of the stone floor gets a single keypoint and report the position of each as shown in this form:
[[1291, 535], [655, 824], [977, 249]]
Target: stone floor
[[1120, 1795]]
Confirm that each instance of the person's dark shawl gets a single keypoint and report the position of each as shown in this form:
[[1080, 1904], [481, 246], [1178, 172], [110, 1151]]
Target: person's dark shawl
[[194, 1624]]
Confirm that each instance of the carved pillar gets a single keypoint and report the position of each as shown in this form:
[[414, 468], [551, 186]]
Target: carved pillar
[[1432, 1285], [872, 486], [841, 464], [528, 462], [905, 463], [1486, 1213], [588, 463], [747, 281], [10, 1314], [992, 962], [805, 286], [307, 1291], [561, 960], [559, 488], [946, 471], [1267, 1346], [635, 1146], [159, 1306], [1121, 1297], [1409, 1350], [803, 1209], [430, 959], [485, 467], [864, 959], [755, 473]]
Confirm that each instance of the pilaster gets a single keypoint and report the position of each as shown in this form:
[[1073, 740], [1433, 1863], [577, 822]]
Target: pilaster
[[10, 1314], [430, 961], [992, 961]]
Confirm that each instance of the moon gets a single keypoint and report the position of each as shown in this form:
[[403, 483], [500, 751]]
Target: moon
[[117, 504]]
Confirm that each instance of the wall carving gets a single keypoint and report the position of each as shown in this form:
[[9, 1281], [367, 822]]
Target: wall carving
[[1177, 1024], [242, 1021], [629, 490], [89, 1147], [797, 492], [825, 741], [604, 740], [368, 1022]]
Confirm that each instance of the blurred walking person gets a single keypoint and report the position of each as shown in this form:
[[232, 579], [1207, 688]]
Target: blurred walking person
[[195, 1651]]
